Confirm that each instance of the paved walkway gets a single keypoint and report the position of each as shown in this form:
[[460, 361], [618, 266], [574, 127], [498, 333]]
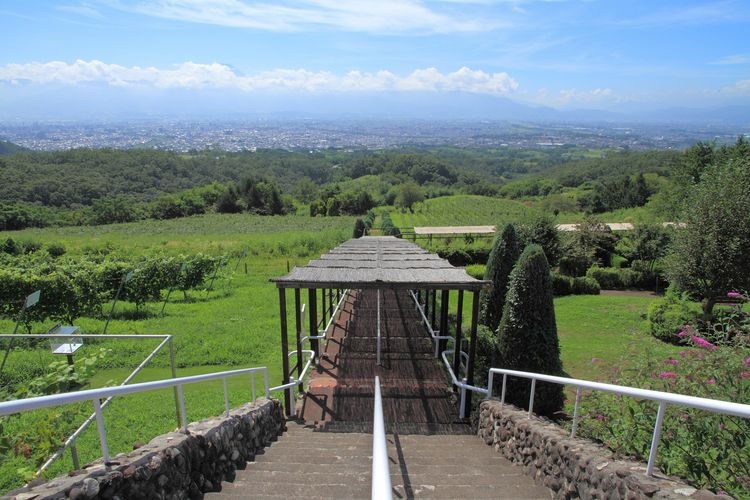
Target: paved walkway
[[315, 465], [414, 385]]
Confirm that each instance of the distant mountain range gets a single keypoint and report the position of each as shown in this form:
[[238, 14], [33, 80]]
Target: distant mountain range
[[105, 102]]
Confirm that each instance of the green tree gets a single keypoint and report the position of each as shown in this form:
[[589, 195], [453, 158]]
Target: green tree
[[647, 243], [408, 195], [711, 254], [114, 210], [502, 258], [528, 333], [543, 231]]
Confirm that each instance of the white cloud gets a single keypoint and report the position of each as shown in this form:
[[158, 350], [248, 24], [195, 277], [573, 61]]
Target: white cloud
[[733, 59], [194, 76], [740, 88], [383, 16]]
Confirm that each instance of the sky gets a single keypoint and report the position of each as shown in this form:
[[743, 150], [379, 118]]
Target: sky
[[565, 54]]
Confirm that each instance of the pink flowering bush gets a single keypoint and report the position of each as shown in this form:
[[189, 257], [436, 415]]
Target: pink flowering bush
[[707, 449]]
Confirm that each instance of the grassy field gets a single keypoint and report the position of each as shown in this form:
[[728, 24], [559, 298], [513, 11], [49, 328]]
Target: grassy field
[[462, 210], [237, 324]]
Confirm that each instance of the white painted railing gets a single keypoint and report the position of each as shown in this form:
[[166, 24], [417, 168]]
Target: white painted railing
[[664, 398], [95, 395], [436, 337], [70, 442], [322, 333], [294, 382], [461, 384], [381, 471]]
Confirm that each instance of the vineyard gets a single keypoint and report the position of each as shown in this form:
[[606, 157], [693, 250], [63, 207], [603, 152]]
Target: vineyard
[[462, 210]]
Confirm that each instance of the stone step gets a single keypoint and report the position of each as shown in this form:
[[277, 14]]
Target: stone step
[[310, 464]]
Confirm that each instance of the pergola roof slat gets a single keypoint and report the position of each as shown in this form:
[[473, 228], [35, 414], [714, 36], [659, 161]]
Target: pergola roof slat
[[379, 262]]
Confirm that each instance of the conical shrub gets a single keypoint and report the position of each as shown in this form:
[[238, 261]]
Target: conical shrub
[[528, 333], [500, 262]]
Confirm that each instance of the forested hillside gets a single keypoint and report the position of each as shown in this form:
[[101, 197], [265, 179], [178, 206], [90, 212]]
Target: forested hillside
[[86, 186], [7, 148]]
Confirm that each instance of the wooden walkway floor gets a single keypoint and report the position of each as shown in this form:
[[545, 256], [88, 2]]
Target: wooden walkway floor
[[414, 385]]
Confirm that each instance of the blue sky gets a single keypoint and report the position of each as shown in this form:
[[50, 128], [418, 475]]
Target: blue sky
[[565, 54]]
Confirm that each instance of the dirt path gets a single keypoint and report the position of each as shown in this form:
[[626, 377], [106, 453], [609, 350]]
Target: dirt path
[[631, 293]]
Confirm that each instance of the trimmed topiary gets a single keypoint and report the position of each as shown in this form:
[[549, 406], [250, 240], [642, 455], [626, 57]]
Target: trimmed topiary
[[500, 263], [528, 333], [359, 228]]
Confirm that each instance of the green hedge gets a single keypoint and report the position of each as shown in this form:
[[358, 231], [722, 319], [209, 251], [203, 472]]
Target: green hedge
[[565, 285], [667, 316]]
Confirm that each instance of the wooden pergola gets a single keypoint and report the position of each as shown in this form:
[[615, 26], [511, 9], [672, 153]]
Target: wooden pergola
[[377, 262]]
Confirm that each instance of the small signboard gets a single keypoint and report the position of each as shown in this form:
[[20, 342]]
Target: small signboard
[[67, 345], [32, 299]]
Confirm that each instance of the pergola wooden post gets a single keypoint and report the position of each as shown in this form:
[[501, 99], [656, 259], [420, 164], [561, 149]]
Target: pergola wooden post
[[298, 328], [472, 346], [457, 343], [284, 350], [313, 327], [433, 309], [444, 301]]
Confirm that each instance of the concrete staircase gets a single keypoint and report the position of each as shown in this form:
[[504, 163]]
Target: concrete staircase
[[305, 463]]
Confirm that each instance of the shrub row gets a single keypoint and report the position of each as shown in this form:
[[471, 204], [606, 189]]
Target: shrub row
[[73, 289], [637, 276], [565, 285], [467, 257]]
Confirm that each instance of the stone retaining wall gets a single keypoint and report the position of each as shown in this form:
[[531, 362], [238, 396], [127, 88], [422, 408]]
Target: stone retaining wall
[[174, 465], [572, 467]]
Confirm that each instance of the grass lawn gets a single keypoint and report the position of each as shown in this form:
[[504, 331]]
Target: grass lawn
[[601, 332]]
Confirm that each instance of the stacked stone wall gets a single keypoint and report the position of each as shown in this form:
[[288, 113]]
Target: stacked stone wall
[[174, 465], [573, 467]]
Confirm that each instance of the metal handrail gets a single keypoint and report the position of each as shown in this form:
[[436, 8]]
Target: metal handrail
[[94, 395], [289, 386], [461, 384], [381, 473], [712, 405], [335, 311], [434, 334], [70, 441]]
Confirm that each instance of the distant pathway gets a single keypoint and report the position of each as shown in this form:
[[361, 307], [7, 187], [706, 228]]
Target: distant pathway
[[631, 293]]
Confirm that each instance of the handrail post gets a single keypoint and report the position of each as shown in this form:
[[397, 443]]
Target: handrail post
[[102, 430], [490, 383], [502, 393], [252, 386], [531, 397], [575, 412], [183, 414], [226, 396], [174, 375], [265, 383], [462, 409], [655, 439]]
